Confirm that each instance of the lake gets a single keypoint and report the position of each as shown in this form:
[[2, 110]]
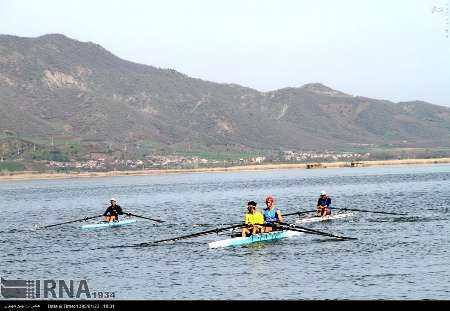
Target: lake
[[394, 257]]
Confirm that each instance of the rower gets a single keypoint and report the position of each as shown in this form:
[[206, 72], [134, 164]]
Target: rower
[[271, 214], [252, 219], [113, 211], [323, 205]]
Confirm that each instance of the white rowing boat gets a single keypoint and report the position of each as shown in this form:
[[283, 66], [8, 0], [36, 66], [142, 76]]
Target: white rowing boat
[[102, 225], [319, 218], [270, 236]]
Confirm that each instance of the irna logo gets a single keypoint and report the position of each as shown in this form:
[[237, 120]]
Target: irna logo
[[46, 289]]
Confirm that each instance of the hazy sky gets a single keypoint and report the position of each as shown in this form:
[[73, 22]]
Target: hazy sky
[[396, 50]]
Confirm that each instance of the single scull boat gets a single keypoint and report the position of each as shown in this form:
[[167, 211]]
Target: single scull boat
[[103, 225], [319, 218]]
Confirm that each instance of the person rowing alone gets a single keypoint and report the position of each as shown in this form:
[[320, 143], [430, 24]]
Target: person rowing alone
[[271, 214], [253, 220], [113, 211], [323, 205]]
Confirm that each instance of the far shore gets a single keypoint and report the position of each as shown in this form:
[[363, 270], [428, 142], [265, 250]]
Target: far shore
[[316, 165]]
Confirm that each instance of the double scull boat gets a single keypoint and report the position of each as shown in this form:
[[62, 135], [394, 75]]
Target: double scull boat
[[270, 236]]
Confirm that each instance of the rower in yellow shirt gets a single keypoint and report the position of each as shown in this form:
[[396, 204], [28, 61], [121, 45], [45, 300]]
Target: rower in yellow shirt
[[253, 220]]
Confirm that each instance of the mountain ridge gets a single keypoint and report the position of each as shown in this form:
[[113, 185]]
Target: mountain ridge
[[53, 85]]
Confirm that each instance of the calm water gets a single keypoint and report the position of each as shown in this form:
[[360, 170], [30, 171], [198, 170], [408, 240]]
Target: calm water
[[395, 257]]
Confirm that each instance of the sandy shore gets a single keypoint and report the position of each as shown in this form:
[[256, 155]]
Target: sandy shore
[[32, 175]]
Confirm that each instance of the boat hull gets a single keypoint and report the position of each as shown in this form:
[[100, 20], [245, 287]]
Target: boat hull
[[318, 219], [105, 225], [270, 236]]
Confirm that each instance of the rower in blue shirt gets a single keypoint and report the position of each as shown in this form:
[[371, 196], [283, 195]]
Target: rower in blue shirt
[[323, 205], [271, 214]]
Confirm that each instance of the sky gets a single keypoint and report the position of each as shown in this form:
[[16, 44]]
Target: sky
[[395, 50]]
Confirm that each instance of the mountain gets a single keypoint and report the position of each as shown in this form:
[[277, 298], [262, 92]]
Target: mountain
[[54, 87]]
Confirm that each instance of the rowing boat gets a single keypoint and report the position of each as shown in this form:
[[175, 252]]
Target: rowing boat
[[319, 218], [270, 236], [102, 225]]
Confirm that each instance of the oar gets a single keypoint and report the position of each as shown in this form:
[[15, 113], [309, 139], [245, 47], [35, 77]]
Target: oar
[[299, 213], [139, 216], [183, 237], [69, 222], [311, 231], [368, 211]]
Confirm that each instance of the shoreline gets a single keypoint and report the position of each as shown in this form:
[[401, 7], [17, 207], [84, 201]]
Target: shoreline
[[264, 167]]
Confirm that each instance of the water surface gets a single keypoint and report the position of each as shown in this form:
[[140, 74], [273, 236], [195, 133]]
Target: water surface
[[395, 257]]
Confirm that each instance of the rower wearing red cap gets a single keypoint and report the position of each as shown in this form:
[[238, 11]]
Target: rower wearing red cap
[[271, 214]]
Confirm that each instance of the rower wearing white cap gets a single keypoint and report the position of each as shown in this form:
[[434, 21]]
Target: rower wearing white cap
[[323, 204], [113, 211]]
